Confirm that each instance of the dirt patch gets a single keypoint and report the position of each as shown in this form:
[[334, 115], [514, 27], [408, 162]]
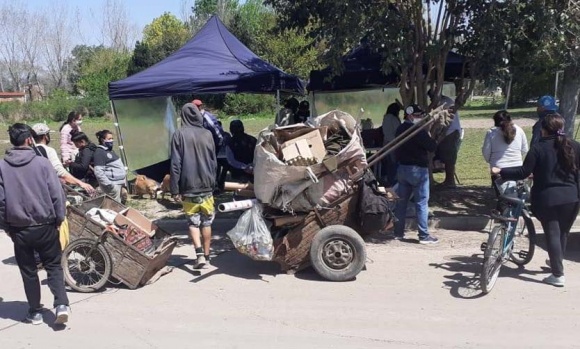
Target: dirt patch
[[464, 200]]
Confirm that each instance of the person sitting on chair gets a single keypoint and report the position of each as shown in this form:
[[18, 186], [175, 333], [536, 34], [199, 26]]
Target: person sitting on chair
[[240, 152]]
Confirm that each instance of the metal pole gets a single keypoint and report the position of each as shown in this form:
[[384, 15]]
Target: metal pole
[[509, 92], [557, 82], [277, 100], [120, 140]]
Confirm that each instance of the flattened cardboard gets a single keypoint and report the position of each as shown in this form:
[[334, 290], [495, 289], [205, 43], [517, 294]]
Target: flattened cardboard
[[315, 143], [136, 219]]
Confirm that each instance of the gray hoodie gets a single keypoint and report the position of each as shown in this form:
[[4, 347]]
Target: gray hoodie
[[30, 191], [193, 156]]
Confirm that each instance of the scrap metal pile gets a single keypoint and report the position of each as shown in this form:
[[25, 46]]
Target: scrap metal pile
[[301, 167]]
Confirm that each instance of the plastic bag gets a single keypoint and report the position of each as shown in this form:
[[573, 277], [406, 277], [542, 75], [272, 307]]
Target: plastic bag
[[251, 235]]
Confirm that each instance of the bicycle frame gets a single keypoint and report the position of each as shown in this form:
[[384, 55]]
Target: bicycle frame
[[512, 213]]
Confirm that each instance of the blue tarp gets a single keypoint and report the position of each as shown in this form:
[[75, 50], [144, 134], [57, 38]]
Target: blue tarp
[[213, 61], [363, 70]]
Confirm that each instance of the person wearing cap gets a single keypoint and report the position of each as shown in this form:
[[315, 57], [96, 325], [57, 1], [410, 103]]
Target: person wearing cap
[[413, 176], [546, 105], [41, 133], [240, 152], [32, 208]]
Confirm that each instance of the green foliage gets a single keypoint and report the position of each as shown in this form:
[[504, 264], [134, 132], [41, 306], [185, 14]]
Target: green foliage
[[163, 36], [238, 104]]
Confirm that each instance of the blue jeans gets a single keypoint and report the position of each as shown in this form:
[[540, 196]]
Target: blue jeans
[[413, 180]]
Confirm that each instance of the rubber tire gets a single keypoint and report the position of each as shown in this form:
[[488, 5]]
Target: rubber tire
[[529, 224], [68, 278], [489, 261], [346, 234]]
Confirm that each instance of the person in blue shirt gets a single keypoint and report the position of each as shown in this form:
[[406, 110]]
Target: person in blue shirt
[[211, 123], [546, 105]]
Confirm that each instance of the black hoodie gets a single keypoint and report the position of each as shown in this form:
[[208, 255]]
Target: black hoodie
[[193, 156], [30, 191]]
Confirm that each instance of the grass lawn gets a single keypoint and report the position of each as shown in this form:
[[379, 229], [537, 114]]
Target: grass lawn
[[471, 167]]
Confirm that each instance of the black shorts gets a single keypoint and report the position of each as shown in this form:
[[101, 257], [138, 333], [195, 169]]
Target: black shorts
[[448, 148]]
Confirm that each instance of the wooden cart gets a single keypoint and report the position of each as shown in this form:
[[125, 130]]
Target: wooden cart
[[95, 255]]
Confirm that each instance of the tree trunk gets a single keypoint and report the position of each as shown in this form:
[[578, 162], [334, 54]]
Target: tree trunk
[[569, 97]]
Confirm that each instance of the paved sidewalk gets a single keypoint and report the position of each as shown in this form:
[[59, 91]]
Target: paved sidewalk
[[409, 296]]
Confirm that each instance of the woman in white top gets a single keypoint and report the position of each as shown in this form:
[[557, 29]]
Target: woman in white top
[[505, 145]]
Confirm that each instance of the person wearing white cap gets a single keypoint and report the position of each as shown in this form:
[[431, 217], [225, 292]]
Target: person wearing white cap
[[41, 135]]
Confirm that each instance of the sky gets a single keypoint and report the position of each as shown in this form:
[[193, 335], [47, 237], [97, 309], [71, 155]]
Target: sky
[[140, 13]]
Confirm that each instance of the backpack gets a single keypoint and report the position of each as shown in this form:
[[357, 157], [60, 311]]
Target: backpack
[[375, 210]]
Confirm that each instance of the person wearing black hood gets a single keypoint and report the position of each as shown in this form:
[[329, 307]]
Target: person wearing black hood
[[240, 152], [287, 115], [193, 178], [32, 207]]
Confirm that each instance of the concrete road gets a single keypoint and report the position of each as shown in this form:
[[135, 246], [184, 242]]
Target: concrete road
[[410, 296]]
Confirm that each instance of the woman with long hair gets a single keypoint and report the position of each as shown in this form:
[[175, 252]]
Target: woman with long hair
[[71, 125], [109, 168], [504, 146], [554, 161]]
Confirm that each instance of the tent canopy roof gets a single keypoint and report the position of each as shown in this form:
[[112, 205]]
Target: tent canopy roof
[[213, 61], [363, 70]]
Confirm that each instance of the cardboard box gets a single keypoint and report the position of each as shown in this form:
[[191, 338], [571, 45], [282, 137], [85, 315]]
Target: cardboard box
[[313, 141], [136, 219]]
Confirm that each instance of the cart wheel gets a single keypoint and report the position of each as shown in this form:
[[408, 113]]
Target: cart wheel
[[338, 253], [87, 265]]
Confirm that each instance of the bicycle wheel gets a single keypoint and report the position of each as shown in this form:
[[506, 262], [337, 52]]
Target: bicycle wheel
[[524, 242], [492, 259], [87, 265]]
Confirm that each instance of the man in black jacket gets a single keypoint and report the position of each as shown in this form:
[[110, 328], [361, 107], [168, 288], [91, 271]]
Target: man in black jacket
[[193, 177], [413, 176], [32, 207]]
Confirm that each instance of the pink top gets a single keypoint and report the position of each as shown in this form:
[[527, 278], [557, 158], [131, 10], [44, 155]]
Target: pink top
[[67, 147]]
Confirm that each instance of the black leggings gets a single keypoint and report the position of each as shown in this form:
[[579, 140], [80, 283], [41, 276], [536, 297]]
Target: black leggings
[[557, 222]]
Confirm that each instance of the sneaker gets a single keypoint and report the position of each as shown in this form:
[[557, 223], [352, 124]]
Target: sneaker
[[34, 318], [398, 238], [62, 313], [429, 240], [207, 259], [200, 262], [548, 263], [557, 281]]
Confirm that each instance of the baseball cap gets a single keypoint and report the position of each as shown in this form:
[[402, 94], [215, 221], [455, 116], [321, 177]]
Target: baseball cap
[[197, 102], [40, 129], [548, 103], [413, 109]]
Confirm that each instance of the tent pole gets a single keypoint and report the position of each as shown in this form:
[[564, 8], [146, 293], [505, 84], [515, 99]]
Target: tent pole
[[277, 100], [120, 140]]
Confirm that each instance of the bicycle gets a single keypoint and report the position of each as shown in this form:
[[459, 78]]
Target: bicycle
[[512, 238]]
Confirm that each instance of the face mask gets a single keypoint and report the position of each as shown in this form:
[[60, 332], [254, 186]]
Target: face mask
[[416, 120], [108, 144], [78, 122]]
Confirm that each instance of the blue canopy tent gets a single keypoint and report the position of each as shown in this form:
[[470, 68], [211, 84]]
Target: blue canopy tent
[[213, 61], [363, 70]]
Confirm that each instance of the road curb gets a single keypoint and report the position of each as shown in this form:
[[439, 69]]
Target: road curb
[[468, 223]]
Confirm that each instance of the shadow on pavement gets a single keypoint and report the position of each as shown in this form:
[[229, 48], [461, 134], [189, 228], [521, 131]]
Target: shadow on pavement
[[13, 310], [464, 280], [572, 248], [232, 264], [9, 261]]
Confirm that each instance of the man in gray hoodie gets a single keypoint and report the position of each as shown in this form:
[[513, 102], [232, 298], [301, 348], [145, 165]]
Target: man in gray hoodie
[[193, 178], [32, 207]]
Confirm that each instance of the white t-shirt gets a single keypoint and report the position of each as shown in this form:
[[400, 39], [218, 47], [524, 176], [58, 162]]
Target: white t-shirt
[[54, 161], [500, 154]]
